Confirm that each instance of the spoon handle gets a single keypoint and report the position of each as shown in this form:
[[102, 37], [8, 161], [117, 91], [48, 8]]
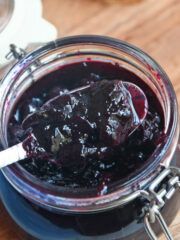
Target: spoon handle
[[12, 155]]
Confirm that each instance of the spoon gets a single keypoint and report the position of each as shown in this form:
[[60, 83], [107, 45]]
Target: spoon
[[139, 102]]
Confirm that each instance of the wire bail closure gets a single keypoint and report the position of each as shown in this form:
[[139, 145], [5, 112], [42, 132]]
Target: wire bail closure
[[157, 195], [15, 52]]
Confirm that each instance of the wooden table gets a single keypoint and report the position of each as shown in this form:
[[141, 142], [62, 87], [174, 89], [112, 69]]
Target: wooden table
[[150, 24]]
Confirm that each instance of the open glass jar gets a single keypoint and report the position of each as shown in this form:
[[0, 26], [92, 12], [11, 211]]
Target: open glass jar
[[142, 196]]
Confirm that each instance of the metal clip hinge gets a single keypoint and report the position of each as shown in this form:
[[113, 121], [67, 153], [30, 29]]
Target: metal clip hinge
[[160, 190], [15, 52], [19, 53]]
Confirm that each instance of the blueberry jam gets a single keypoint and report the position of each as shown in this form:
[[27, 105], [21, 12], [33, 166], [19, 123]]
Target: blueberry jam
[[84, 138], [75, 121]]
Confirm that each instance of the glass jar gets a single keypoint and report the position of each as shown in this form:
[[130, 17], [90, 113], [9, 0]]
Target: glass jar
[[140, 198]]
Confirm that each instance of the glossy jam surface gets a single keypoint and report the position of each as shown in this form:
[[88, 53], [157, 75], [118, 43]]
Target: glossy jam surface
[[85, 135], [74, 121]]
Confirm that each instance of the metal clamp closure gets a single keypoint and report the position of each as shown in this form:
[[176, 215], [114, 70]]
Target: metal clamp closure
[[15, 52], [160, 190]]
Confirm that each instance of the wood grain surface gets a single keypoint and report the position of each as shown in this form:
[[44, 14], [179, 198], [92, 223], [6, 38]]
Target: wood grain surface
[[149, 24]]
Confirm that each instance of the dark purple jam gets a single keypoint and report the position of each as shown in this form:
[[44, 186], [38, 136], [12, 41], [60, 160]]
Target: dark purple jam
[[75, 122], [83, 138]]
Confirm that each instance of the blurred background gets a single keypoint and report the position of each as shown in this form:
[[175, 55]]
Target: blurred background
[[151, 25]]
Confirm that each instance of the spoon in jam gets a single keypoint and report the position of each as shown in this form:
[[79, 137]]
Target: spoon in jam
[[113, 108]]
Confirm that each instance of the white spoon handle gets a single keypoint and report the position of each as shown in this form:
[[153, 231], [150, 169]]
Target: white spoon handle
[[12, 155]]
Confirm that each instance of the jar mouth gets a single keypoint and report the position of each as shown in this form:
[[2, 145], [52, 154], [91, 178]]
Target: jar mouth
[[131, 186]]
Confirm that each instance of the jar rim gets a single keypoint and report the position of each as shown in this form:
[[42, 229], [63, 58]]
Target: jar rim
[[111, 199]]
